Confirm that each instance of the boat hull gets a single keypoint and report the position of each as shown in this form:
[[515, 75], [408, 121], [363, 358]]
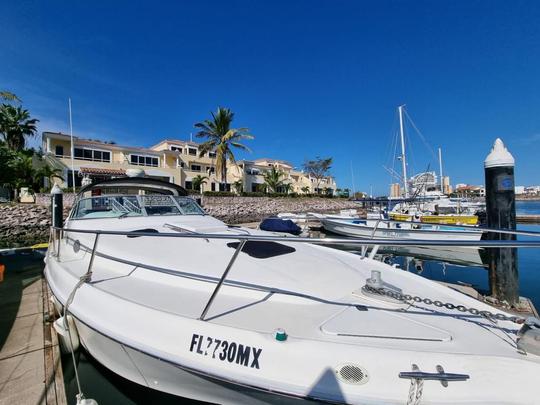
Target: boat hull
[[438, 219], [364, 231], [174, 379]]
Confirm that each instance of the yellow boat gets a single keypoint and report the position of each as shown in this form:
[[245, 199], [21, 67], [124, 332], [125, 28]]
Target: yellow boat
[[438, 219], [450, 219], [400, 217]]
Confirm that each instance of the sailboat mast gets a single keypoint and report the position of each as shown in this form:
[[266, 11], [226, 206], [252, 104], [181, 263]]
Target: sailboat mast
[[72, 146], [403, 162], [440, 170], [352, 181]]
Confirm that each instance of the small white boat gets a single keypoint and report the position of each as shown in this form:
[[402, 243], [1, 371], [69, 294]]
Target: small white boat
[[374, 229], [278, 320], [308, 216]]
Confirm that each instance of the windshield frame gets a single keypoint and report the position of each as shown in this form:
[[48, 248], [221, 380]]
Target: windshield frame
[[142, 205]]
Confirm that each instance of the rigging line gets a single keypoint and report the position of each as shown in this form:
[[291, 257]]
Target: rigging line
[[395, 154], [391, 146], [395, 136], [411, 161], [426, 143]]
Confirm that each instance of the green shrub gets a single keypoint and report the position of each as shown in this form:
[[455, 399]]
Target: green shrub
[[219, 194]]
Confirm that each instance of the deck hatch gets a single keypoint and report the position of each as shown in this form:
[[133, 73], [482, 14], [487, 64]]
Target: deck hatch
[[263, 250]]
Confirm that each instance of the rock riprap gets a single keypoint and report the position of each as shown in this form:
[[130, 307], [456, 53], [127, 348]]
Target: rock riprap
[[24, 224], [236, 210]]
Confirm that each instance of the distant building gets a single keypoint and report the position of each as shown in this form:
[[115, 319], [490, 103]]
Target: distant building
[[395, 190], [447, 188], [519, 189], [466, 190], [175, 161], [532, 190]]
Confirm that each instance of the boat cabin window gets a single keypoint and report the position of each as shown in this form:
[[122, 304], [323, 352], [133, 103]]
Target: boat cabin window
[[117, 206]]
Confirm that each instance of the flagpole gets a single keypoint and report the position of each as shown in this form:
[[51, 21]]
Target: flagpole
[[72, 148]]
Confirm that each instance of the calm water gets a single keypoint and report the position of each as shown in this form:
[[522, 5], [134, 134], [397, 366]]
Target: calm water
[[109, 389]]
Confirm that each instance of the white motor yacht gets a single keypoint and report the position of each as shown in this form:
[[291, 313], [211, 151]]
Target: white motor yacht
[[175, 300]]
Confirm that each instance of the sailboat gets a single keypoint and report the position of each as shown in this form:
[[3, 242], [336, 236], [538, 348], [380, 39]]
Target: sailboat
[[427, 207]]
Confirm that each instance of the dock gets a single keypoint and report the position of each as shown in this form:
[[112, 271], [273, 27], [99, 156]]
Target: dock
[[30, 365]]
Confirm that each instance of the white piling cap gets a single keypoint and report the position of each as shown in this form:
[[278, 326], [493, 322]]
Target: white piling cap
[[56, 189], [499, 156]]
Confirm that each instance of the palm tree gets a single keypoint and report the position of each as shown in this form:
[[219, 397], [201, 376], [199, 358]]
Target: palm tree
[[305, 190], [272, 179], [16, 125], [287, 187], [23, 172], [238, 186], [220, 138], [49, 173], [9, 96], [198, 181]]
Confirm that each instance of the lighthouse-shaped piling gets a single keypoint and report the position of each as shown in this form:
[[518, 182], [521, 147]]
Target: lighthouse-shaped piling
[[501, 213]]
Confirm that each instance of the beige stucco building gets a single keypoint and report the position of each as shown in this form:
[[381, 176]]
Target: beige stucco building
[[176, 161]]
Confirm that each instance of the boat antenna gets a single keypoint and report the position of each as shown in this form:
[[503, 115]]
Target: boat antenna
[[72, 147], [403, 162], [440, 170]]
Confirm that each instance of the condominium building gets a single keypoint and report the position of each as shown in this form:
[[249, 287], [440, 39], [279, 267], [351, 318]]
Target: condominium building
[[171, 160]]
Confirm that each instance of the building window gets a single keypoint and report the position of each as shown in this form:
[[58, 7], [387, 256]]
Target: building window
[[78, 178], [213, 186], [92, 155], [224, 187], [195, 168], [176, 149], [143, 160], [192, 151], [59, 150], [189, 185], [181, 164], [212, 155], [211, 170]]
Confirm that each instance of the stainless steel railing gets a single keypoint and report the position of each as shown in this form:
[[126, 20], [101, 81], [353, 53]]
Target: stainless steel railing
[[58, 233]]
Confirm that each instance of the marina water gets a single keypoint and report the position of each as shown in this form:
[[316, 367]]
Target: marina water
[[108, 388]]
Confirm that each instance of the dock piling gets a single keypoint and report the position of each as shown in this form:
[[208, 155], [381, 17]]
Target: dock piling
[[57, 209], [501, 213]]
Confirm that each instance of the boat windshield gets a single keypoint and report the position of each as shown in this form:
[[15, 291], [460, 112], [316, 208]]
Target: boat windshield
[[116, 206]]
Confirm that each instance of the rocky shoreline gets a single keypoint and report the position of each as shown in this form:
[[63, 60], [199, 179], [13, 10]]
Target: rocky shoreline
[[28, 224]]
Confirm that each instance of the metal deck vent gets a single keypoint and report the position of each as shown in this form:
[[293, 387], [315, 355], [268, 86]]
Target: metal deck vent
[[352, 374]]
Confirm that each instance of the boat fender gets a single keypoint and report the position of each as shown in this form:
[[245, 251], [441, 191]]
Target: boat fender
[[86, 401], [66, 330], [529, 336], [58, 308]]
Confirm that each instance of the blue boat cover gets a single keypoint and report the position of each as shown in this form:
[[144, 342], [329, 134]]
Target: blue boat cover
[[280, 225]]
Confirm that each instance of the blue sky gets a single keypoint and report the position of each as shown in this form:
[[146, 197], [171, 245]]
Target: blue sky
[[307, 77]]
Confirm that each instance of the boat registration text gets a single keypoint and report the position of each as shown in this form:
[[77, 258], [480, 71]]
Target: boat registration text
[[225, 351]]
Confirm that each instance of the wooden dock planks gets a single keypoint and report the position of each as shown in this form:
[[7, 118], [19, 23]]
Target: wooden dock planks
[[30, 367]]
